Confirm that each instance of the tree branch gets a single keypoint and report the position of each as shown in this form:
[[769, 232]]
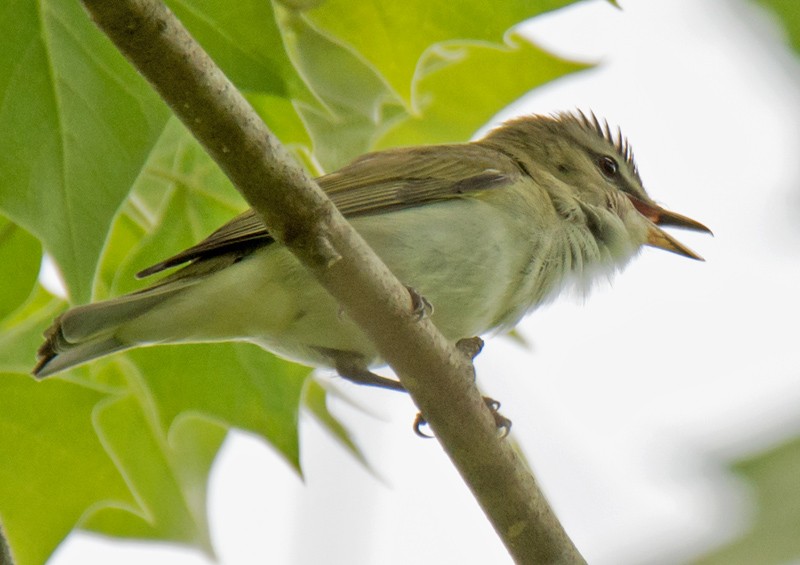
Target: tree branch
[[438, 377]]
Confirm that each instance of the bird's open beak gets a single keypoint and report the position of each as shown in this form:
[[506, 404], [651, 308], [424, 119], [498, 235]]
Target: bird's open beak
[[657, 237]]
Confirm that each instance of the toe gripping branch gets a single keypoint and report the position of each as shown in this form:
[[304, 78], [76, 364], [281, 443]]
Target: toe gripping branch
[[420, 307], [471, 347]]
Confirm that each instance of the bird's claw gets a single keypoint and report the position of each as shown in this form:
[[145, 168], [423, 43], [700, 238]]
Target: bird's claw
[[419, 421], [420, 307], [502, 423]]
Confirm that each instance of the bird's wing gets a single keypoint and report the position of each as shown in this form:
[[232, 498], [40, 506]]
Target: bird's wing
[[374, 183]]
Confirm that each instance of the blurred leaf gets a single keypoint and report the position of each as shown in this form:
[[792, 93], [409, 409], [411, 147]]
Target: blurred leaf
[[21, 255], [53, 467], [788, 12], [519, 339], [243, 38], [180, 197], [355, 98], [238, 384], [83, 120], [340, 77], [772, 537], [283, 119], [167, 474], [21, 332], [316, 398], [162, 435], [339, 140], [457, 98], [395, 36], [89, 120]]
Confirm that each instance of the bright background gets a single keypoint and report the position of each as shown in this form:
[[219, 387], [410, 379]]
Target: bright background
[[630, 403]]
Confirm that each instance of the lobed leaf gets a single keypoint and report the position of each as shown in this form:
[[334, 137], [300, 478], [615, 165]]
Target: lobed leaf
[[53, 467]]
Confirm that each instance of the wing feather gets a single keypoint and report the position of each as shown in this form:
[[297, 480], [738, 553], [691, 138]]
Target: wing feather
[[373, 183]]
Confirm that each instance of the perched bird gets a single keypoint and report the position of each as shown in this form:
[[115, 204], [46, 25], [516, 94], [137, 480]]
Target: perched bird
[[483, 231]]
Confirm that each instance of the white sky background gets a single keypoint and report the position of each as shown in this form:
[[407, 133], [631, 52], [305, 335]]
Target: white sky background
[[631, 401]]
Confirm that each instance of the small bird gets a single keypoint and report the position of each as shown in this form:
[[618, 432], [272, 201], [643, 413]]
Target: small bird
[[484, 232]]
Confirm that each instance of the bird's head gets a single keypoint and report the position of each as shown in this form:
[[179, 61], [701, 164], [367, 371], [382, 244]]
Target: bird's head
[[596, 164]]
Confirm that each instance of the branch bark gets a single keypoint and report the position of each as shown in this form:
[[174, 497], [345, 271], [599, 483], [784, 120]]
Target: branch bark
[[438, 377]]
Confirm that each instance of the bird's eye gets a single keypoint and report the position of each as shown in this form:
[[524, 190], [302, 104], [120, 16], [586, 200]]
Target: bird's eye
[[608, 166]]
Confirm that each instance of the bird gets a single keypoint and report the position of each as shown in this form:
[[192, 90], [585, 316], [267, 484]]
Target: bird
[[481, 232]]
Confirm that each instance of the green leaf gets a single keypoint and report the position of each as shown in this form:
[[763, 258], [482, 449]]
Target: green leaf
[[53, 467], [395, 36], [337, 139], [519, 339], [283, 120], [79, 122], [340, 77], [245, 41], [453, 104], [355, 98], [316, 400], [180, 197], [21, 257], [772, 537], [21, 332], [238, 384], [89, 120], [166, 473], [789, 15]]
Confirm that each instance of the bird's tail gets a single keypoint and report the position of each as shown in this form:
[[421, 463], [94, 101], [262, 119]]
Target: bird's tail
[[91, 331]]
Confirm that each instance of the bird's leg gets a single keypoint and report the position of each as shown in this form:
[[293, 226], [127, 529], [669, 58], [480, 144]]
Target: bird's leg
[[352, 367]]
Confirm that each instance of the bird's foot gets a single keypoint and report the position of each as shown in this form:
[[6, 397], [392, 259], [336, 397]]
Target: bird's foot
[[502, 423]]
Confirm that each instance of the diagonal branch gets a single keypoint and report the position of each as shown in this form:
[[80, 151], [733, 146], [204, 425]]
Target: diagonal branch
[[438, 376]]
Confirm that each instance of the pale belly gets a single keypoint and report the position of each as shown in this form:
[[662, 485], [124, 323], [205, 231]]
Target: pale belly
[[456, 260]]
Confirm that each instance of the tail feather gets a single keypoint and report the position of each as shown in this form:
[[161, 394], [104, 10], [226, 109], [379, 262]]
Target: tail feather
[[91, 320], [58, 354], [88, 332]]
